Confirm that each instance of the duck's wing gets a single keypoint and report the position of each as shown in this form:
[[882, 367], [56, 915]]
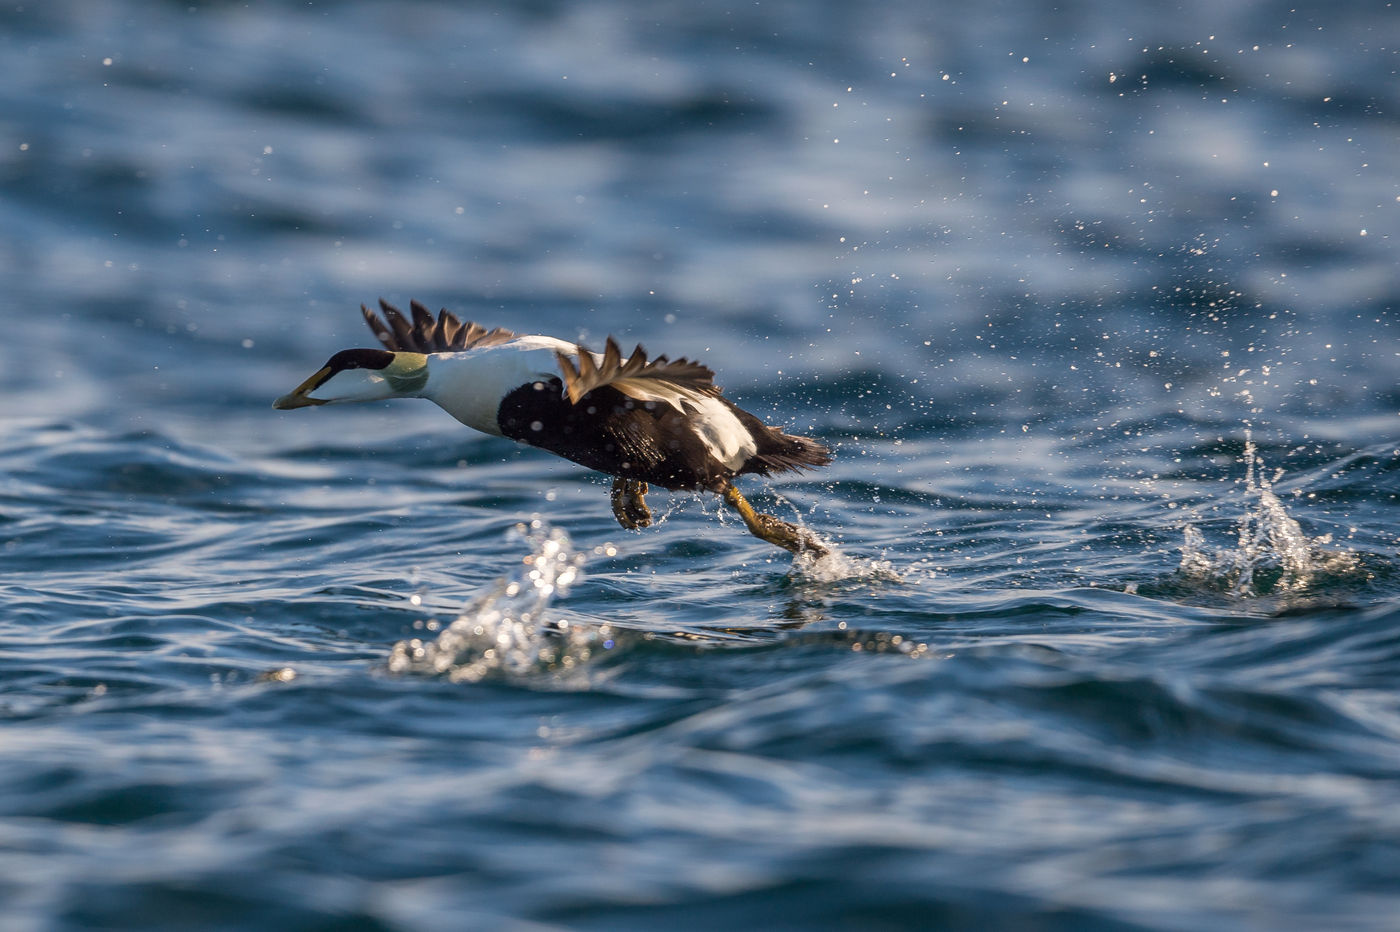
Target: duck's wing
[[425, 334], [658, 379]]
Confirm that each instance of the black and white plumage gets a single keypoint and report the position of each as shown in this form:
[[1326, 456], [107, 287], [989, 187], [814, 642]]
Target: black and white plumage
[[644, 421]]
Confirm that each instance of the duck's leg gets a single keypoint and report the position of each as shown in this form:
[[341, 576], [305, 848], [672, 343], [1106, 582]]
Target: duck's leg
[[629, 503], [774, 530]]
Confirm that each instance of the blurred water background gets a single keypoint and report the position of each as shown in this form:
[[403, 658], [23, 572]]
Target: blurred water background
[[1095, 302]]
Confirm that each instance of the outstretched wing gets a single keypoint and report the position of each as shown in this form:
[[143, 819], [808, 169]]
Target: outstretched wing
[[655, 380], [424, 334]]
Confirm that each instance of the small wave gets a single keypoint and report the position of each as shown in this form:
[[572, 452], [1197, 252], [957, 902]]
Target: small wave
[[1272, 555], [514, 629]]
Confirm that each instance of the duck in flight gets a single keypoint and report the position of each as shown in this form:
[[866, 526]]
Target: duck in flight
[[642, 421]]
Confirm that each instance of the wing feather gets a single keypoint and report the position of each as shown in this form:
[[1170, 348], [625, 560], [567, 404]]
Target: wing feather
[[445, 334], [655, 380], [403, 330]]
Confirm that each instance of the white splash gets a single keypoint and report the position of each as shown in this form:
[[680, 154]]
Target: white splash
[[1273, 554], [513, 629], [836, 566]]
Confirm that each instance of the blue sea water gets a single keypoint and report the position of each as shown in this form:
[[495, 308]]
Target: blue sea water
[[1095, 303]]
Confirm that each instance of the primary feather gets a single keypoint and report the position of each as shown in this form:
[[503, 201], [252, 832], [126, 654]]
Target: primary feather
[[446, 334]]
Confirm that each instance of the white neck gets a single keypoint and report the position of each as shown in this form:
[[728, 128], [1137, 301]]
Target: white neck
[[469, 386]]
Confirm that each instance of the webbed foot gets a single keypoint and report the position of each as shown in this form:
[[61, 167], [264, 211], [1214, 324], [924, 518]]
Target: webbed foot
[[629, 503], [776, 531]]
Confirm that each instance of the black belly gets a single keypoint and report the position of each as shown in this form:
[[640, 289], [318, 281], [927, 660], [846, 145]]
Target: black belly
[[613, 433]]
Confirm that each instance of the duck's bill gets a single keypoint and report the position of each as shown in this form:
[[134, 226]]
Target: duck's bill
[[300, 397]]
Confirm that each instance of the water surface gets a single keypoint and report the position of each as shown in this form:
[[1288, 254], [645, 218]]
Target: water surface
[[1096, 307]]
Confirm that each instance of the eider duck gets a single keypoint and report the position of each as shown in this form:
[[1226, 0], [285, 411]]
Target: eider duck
[[642, 421]]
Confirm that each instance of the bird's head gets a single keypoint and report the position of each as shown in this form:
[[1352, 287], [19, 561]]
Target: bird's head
[[360, 375]]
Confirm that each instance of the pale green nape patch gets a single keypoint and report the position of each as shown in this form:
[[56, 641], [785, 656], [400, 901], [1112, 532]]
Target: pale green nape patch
[[407, 374]]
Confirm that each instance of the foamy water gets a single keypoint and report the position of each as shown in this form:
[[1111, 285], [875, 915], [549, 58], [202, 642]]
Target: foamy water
[[516, 627]]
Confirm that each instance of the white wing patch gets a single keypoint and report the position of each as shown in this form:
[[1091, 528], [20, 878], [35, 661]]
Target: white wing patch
[[728, 440]]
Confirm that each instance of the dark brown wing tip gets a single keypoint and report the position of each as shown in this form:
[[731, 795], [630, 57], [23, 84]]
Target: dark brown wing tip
[[422, 318], [377, 327], [399, 326], [693, 374]]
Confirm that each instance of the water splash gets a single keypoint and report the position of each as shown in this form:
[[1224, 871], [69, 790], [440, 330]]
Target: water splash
[[514, 630], [1272, 554], [837, 566], [834, 566]]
